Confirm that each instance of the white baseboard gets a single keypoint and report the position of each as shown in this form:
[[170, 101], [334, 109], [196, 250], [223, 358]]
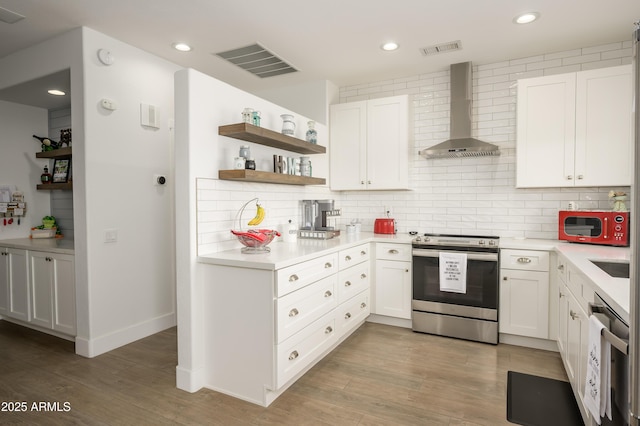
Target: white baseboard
[[383, 319], [189, 380], [529, 342], [97, 346]]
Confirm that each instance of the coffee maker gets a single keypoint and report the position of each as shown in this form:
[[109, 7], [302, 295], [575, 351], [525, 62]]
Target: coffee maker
[[319, 219]]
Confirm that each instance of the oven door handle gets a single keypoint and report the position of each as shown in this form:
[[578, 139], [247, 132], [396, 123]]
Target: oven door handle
[[491, 257]]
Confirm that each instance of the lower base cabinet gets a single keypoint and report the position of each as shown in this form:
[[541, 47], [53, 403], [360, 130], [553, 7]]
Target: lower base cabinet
[[265, 327], [14, 288], [393, 280], [52, 286]]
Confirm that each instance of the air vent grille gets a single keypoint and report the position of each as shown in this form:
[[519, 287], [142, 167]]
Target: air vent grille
[[257, 60], [441, 48], [9, 17]]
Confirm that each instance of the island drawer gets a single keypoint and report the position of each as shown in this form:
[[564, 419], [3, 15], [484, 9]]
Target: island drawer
[[353, 256], [300, 308], [297, 276], [353, 280], [352, 313]]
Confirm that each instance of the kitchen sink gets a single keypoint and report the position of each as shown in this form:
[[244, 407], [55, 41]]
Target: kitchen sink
[[615, 269]]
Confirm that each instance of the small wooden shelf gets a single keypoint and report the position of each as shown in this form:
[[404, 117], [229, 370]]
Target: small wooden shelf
[[55, 186], [260, 135], [268, 177], [56, 153]]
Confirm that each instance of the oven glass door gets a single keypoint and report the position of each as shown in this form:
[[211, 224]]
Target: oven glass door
[[580, 226], [482, 279]]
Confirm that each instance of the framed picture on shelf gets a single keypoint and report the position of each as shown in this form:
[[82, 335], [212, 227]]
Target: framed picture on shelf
[[61, 170]]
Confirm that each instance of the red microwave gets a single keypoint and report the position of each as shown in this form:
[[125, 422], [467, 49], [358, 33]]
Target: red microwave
[[594, 227]]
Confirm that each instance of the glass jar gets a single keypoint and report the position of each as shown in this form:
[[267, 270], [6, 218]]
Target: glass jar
[[245, 152], [250, 164], [305, 166], [256, 118], [247, 115], [312, 134], [288, 125]]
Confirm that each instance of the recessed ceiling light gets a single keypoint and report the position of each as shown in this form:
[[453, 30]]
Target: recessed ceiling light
[[183, 47], [389, 46], [56, 92], [526, 18]]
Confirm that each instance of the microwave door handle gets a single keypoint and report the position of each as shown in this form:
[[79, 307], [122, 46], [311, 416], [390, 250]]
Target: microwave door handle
[[606, 228]]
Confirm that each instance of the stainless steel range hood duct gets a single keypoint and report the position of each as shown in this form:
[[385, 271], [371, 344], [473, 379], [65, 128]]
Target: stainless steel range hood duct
[[461, 143]]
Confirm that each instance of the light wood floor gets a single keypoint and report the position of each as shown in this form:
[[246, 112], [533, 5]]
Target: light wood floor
[[381, 375]]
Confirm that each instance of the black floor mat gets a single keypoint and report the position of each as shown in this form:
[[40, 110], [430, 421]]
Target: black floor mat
[[539, 401]]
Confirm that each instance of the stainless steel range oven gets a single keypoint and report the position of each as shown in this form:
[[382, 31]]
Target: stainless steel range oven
[[455, 286]]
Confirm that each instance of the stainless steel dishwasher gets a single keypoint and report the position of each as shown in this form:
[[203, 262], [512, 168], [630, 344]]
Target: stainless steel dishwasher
[[616, 333]]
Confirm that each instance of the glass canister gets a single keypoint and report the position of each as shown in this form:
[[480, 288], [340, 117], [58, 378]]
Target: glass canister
[[250, 164], [256, 118], [305, 166], [288, 125], [245, 152], [312, 134], [247, 115]]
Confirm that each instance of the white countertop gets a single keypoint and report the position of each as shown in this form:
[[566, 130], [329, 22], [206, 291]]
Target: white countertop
[[54, 245], [286, 254], [614, 291]]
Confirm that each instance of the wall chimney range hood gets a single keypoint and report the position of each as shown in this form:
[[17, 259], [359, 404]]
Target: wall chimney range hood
[[461, 144]]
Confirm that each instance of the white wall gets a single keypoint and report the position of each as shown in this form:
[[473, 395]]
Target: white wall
[[132, 290], [206, 206], [124, 290], [19, 166], [310, 99]]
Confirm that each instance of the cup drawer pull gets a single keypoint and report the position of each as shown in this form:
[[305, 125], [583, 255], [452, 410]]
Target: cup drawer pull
[[293, 278], [347, 283], [328, 265], [293, 312], [347, 315], [393, 251], [524, 260], [347, 258], [363, 305], [363, 253], [328, 330], [293, 355], [363, 276], [328, 293]]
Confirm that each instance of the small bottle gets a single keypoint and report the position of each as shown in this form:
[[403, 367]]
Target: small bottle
[[256, 118], [250, 164], [312, 134], [245, 152], [45, 177]]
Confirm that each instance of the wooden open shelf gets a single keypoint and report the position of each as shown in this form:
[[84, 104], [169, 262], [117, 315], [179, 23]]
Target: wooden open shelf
[[260, 135], [56, 153], [55, 186], [268, 177]]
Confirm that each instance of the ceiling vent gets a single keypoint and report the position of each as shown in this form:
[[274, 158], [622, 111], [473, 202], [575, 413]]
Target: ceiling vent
[[9, 17], [257, 60], [441, 48]]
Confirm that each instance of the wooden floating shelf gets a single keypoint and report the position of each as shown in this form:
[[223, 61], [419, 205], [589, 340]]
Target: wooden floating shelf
[[55, 186], [260, 135], [56, 153], [268, 177]]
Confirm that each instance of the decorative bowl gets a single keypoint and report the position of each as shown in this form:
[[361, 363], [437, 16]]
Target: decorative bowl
[[255, 240]]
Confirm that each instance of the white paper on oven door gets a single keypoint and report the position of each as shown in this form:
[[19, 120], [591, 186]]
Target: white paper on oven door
[[453, 272]]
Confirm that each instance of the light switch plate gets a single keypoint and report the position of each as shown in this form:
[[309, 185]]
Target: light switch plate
[[110, 235]]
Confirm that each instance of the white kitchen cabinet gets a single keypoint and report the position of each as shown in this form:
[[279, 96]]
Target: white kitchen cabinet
[[524, 293], [575, 129], [573, 327], [14, 289], [370, 144], [52, 287], [392, 288], [266, 326]]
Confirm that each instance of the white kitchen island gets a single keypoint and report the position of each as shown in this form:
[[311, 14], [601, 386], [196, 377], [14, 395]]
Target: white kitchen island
[[270, 317]]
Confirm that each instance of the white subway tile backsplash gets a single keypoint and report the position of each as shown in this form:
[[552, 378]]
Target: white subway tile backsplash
[[471, 195]]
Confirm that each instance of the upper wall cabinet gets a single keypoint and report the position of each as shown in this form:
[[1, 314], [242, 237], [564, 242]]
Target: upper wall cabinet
[[370, 144], [575, 129]]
